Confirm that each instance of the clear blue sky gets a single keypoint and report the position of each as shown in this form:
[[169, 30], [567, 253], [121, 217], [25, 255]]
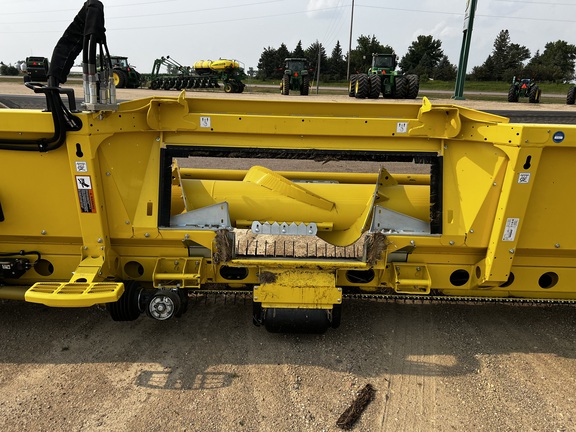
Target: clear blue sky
[[191, 30]]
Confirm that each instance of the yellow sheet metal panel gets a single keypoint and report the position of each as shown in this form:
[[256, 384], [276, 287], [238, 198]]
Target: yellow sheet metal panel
[[298, 288]]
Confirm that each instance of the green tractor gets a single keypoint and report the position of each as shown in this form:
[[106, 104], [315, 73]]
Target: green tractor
[[296, 76], [36, 69], [125, 76], [383, 78], [524, 87]]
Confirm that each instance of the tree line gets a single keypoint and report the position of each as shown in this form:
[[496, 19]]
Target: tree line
[[554, 64], [426, 58]]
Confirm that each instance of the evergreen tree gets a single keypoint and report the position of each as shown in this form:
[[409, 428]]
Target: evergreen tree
[[423, 56], [337, 63], [267, 64], [282, 53], [298, 51], [556, 63], [444, 71], [505, 61], [311, 53]]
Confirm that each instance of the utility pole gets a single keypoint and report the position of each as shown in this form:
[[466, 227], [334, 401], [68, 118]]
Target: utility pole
[[318, 75], [350, 43], [466, 38]]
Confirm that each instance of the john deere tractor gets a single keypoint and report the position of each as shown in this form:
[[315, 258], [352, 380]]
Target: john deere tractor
[[524, 87], [36, 69], [125, 75], [296, 76], [383, 78]]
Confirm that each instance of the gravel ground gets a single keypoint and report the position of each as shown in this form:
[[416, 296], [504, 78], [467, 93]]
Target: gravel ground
[[435, 367]]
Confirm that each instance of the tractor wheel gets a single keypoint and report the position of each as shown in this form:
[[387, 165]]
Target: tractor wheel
[[285, 85], [534, 96], [413, 86], [571, 97], [305, 89], [119, 78], [375, 86], [400, 90], [352, 85], [228, 87], [512, 94], [362, 86], [127, 308], [155, 84], [241, 87]]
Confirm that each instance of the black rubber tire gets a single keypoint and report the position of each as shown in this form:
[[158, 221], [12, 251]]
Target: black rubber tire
[[534, 96], [352, 85], [155, 84], [375, 86], [571, 97], [336, 316], [400, 90], [362, 86], [285, 85], [167, 84], [127, 308], [413, 86], [228, 87], [120, 78], [305, 89], [512, 94]]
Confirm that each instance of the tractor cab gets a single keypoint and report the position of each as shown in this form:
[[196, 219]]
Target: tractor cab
[[383, 63]]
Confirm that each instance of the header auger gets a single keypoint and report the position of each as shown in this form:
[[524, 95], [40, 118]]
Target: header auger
[[136, 209]]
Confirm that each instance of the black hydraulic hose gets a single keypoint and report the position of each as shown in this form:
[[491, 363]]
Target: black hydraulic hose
[[22, 253], [88, 21], [62, 119], [86, 31]]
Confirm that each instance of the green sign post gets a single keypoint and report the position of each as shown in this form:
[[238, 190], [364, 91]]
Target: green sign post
[[466, 38]]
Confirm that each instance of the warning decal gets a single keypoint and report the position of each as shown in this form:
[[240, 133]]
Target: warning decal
[[511, 228], [85, 194]]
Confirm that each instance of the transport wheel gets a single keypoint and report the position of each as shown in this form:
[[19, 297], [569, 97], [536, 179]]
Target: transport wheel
[[362, 86], [228, 88], [375, 86], [164, 305], [352, 86], [127, 308], [571, 97], [413, 86], [512, 94]]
